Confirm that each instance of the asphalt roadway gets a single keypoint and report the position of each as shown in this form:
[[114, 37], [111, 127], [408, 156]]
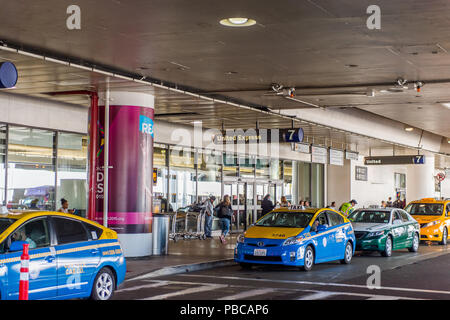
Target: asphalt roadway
[[404, 276]]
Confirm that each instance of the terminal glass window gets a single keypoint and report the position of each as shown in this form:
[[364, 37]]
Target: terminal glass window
[[230, 166], [182, 184], [72, 171], [247, 167], [276, 172], [209, 174], [288, 173], [160, 164], [3, 129], [31, 169], [263, 169]]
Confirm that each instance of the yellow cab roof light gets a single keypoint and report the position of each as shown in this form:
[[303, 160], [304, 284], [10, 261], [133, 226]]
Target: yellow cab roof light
[[428, 199]]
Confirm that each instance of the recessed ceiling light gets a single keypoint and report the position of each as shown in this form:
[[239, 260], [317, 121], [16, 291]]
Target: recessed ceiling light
[[409, 129], [237, 22], [447, 105]]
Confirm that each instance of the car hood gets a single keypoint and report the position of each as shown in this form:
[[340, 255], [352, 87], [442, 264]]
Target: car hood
[[426, 219], [272, 233], [360, 226]]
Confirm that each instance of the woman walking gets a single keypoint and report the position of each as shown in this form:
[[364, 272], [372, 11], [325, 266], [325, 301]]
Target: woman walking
[[225, 213]]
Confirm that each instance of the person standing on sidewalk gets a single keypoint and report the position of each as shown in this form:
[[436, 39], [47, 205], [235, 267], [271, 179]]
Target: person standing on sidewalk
[[209, 215], [225, 213]]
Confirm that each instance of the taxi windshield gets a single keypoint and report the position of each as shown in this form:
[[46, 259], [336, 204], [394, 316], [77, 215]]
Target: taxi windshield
[[5, 223], [425, 209], [370, 216], [285, 219]]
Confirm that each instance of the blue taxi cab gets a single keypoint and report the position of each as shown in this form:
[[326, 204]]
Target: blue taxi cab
[[70, 257], [300, 238]]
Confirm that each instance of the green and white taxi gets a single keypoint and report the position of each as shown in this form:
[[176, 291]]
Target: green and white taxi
[[385, 230]]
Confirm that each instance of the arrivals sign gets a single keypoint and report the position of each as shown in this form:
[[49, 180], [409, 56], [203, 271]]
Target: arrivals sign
[[388, 160], [336, 157], [319, 155], [349, 155], [302, 147]]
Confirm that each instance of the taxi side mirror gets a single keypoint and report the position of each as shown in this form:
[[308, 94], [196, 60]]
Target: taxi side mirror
[[17, 246]]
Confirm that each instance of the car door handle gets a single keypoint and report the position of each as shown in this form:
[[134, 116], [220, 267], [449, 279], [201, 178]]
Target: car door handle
[[50, 259], [94, 251]]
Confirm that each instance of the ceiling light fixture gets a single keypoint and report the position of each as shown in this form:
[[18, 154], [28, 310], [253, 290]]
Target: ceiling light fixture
[[409, 129], [237, 22]]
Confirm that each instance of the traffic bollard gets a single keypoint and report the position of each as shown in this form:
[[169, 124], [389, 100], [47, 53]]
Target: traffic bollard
[[24, 275]]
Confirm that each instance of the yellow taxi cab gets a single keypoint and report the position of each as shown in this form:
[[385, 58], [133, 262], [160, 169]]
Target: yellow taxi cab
[[434, 218], [70, 257]]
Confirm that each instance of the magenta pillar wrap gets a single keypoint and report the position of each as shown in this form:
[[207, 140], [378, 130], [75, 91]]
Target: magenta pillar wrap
[[130, 173]]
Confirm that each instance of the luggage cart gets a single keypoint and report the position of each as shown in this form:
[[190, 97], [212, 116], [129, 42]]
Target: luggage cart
[[187, 226]]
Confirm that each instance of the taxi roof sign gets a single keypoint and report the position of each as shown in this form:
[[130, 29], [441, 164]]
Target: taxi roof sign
[[296, 207]]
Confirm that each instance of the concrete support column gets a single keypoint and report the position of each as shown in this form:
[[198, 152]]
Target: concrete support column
[[420, 180], [130, 175]]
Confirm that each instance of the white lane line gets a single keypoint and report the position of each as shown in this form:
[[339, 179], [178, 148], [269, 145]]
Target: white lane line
[[318, 295], [246, 294], [186, 291], [145, 286], [344, 285]]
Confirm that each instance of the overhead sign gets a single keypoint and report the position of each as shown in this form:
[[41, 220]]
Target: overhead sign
[[336, 157], [259, 136], [319, 155], [387, 160], [302, 147], [349, 155]]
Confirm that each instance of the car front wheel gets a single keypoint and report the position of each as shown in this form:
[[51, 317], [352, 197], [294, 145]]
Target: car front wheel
[[388, 248], [103, 288], [444, 237], [309, 259]]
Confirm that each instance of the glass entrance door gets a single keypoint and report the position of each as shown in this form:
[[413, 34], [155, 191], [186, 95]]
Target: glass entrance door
[[242, 202]]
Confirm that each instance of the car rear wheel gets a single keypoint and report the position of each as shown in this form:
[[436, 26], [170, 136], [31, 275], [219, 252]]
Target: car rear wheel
[[103, 288], [348, 253], [388, 248], [444, 237], [415, 243], [309, 259]]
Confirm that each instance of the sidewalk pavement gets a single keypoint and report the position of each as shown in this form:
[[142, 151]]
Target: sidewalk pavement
[[184, 256]]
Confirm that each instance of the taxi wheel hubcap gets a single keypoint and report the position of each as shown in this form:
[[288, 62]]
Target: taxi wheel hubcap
[[416, 242], [309, 258], [388, 246], [349, 252], [104, 286]]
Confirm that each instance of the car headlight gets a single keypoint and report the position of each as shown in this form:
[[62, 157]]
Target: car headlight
[[433, 223], [241, 238], [375, 234], [293, 240]]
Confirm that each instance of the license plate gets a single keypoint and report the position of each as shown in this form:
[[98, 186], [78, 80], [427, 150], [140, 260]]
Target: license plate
[[260, 252]]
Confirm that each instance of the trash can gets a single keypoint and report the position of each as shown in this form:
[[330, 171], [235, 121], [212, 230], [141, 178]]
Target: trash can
[[160, 234]]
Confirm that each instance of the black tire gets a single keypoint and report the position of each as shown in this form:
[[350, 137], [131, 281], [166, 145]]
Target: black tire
[[415, 244], [308, 259], [444, 237], [348, 254], [388, 248], [104, 285], [246, 266]]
